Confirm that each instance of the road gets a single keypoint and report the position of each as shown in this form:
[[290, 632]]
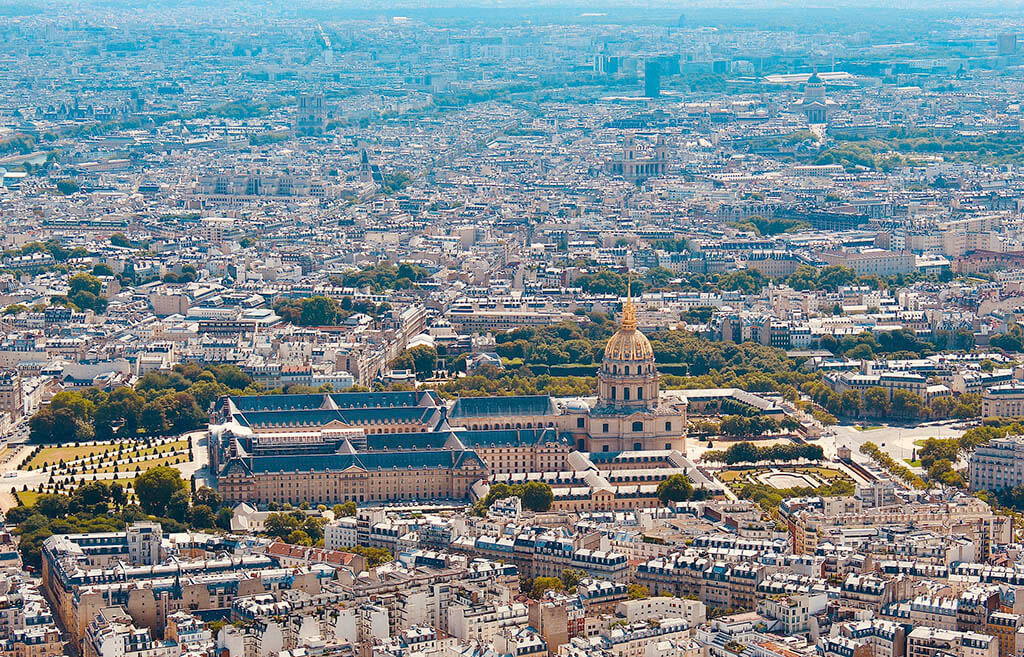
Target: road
[[897, 441]]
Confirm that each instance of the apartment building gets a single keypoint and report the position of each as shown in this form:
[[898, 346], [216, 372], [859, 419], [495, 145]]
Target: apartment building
[[997, 464], [113, 634], [1006, 400], [930, 641]]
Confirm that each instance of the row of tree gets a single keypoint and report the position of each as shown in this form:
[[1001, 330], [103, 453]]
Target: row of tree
[[878, 402], [535, 495], [769, 497], [321, 310], [898, 470], [160, 403], [747, 452], [383, 277]]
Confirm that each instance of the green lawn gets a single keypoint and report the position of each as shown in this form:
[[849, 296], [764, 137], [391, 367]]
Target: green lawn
[[727, 476], [27, 497], [873, 427], [142, 465], [736, 479], [823, 473], [54, 455]]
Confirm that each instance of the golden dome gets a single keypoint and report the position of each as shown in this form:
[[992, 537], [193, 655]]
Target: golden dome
[[628, 343]]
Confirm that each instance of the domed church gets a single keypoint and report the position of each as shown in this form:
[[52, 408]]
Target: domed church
[[628, 415]]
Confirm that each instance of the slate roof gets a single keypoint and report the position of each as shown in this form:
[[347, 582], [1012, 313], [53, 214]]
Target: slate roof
[[389, 442], [435, 458], [342, 400], [468, 407], [493, 438], [318, 417]]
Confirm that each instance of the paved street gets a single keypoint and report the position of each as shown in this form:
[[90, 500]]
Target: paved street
[[897, 441]]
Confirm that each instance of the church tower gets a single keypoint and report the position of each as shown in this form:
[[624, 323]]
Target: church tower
[[628, 379], [628, 414]]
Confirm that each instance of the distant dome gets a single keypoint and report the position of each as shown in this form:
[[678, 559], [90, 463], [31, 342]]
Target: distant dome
[[814, 79], [628, 344]]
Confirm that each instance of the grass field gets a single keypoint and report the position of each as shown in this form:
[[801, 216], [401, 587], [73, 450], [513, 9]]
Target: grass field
[[27, 497], [141, 465], [736, 479], [822, 473], [54, 455]]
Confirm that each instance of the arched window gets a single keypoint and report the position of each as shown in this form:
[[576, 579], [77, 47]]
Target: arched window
[[625, 394], [613, 393], [627, 370], [639, 393], [638, 426]]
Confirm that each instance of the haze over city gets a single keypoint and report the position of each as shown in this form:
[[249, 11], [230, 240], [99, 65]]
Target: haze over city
[[511, 329]]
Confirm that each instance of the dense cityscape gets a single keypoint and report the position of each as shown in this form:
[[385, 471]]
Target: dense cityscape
[[422, 329]]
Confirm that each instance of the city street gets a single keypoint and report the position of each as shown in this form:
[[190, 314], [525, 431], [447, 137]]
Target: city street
[[898, 441]]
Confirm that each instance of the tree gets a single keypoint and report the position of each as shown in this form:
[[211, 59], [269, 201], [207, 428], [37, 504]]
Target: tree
[[314, 527], [299, 537], [537, 496], [851, 403], [177, 506], [860, 352], [119, 412], [156, 487], [117, 496], [938, 449], [744, 452], [67, 187], [542, 585], [53, 506], [347, 509], [424, 358], [91, 497], [41, 426], [280, 524], [319, 311], [908, 404], [942, 471], [637, 591], [571, 577], [676, 488], [84, 292], [223, 520], [205, 495], [876, 401], [201, 517], [374, 556]]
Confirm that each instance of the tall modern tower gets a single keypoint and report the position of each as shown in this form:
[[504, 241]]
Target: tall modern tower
[[652, 78]]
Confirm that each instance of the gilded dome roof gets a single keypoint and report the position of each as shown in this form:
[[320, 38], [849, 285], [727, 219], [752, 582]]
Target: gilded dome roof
[[628, 343]]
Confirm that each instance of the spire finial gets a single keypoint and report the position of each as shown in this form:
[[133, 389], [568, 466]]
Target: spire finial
[[629, 322]]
